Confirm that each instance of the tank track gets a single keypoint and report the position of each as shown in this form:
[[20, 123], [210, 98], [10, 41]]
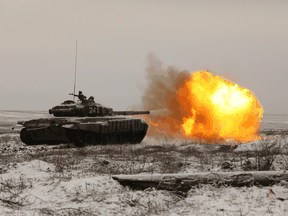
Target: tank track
[[79, 137]]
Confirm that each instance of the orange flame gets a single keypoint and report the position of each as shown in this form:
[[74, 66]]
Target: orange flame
[[219, 109], [208, 107]]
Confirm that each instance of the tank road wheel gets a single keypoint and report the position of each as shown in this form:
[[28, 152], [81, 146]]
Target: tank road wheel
[[89, 139], [25, 137]]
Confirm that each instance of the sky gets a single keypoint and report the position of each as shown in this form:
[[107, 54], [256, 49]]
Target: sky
[[244, 40]]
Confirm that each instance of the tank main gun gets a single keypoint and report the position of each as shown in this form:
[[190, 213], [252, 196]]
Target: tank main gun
[[130, 112]]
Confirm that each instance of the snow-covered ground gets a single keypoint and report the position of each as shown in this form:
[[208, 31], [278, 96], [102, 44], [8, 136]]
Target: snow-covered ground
[[36, 182]]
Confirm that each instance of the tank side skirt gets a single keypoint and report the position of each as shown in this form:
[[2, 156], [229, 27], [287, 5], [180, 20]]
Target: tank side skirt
[[113, 132]]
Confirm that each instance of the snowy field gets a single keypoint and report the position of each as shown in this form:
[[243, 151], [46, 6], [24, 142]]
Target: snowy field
[[64, 180]]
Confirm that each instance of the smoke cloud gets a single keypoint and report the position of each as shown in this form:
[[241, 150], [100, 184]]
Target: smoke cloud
[[160, 96]]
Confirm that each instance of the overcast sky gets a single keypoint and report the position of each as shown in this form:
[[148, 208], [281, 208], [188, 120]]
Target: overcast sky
[[246, 39]]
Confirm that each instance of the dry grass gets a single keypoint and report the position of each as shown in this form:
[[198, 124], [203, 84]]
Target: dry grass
[[11, 190]]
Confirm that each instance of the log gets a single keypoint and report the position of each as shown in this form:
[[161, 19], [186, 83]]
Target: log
[[184, 182]]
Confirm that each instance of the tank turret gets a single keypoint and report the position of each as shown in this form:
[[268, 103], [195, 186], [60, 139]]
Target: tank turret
[[87, 108], [85, 123]]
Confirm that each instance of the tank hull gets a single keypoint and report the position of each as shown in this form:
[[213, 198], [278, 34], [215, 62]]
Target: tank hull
[[84, 130]]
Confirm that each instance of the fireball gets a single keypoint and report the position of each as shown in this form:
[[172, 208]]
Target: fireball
[[217, 109]]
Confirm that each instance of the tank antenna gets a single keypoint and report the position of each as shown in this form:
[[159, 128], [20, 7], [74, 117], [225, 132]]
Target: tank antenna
[[75, 73]]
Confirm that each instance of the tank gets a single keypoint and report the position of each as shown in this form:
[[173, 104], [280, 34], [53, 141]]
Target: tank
[[84, 123]]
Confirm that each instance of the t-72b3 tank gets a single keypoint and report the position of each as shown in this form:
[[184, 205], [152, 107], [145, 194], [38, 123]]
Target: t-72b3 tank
[[84, 123]]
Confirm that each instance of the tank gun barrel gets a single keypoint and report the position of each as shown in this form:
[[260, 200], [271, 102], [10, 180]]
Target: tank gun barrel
[[130, 112]]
